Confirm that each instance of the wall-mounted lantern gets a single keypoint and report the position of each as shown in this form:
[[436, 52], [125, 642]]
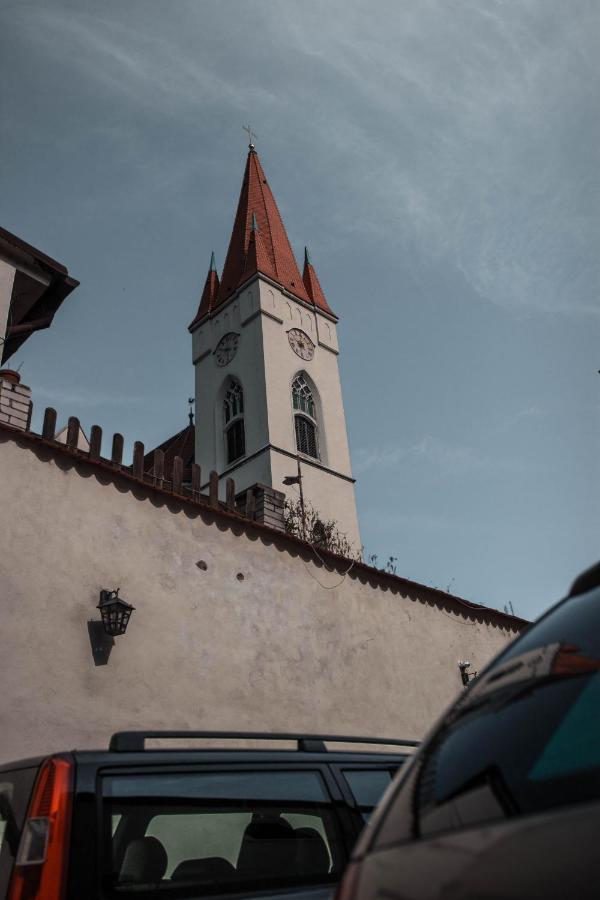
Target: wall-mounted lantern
[[464, 665], [115, 612]]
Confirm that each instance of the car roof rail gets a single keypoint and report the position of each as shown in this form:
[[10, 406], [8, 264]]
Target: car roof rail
[[134, 741]]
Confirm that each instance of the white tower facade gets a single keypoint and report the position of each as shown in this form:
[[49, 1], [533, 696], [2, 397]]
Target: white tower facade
[[265, 351]]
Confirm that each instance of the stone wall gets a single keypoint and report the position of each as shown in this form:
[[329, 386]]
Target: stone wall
[[236, 626]]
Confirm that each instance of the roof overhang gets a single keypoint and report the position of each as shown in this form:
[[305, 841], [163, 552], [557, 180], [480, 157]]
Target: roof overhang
[[40, 286]]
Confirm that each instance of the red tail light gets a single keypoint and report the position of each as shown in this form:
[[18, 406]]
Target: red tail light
[[40, 871]]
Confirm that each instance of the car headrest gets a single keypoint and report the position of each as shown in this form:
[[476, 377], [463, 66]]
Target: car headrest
[[144, 862], [268, 848], [312, 855], [211, 868]]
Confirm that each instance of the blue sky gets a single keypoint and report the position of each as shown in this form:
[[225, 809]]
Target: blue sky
[[439, 157]]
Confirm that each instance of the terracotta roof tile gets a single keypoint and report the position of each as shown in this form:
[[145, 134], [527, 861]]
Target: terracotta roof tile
[[180, 444], [277, 261]]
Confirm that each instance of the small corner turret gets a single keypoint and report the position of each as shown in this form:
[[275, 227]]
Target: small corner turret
[[209, 294]]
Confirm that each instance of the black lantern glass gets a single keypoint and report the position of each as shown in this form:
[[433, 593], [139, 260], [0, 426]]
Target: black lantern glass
[[115, 612]]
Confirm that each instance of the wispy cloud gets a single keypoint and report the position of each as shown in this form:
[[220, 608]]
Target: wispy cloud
[[474, 134], [461, 132], [448, 459], [528, 414], [143, 65], [87, 398]]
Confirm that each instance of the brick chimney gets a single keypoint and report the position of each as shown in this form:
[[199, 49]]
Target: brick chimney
[[15, 400], [263, 504]]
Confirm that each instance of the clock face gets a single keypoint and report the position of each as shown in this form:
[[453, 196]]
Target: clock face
[[227, 348], [301, 344]]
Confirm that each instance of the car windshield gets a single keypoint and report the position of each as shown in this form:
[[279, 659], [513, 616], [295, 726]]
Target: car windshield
[[527, 736]]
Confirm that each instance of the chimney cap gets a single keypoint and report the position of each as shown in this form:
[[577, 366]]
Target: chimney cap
[[10, 375]]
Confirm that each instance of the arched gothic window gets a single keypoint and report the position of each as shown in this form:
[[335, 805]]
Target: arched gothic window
[[233, 413], [305, 417]]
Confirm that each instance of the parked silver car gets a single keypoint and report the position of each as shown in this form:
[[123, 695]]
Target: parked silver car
[[503, 798]]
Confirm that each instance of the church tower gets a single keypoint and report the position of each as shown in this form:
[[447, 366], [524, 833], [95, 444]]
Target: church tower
[[265, 352]]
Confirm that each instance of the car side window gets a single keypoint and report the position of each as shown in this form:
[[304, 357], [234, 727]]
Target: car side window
[[15, 791], [219, 832], [368, 786]]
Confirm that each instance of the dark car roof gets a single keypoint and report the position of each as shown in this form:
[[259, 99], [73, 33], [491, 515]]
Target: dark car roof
[[229, 754]]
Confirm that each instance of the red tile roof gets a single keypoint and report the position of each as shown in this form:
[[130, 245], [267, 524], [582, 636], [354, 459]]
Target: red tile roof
[[277, 261], [181, 444], [313, 287], [209, 294]]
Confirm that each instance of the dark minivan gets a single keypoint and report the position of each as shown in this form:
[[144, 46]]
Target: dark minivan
[[134, 822]]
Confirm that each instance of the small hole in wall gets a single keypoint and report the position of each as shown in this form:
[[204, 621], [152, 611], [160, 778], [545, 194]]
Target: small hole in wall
[[202, 565], [239, 576]]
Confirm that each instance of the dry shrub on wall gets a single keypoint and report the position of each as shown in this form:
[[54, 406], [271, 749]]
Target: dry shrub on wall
[[322, 533]]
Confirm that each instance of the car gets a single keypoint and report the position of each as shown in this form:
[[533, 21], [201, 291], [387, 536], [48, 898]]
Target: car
[[502, 799], [174, 821]]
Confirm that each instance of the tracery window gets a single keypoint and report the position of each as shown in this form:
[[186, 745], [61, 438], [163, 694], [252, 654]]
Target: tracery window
[[302, 397], [233, 413], [305, 417]]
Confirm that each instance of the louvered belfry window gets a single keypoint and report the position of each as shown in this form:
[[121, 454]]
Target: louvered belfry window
[[305, 417], [306, 437], [236, 444], [233, 412]]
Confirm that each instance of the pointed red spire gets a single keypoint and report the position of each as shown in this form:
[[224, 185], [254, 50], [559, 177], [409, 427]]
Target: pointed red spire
[[274, 258], [209, 294], [313, 287]]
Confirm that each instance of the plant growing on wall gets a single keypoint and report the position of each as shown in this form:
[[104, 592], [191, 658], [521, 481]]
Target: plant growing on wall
[[322, 533]]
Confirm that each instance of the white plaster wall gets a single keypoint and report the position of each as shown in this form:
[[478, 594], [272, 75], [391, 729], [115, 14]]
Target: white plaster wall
[[7, 277], [290, 647]]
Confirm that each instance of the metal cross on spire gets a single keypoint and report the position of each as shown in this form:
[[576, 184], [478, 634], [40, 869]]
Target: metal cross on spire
[[251, 136]]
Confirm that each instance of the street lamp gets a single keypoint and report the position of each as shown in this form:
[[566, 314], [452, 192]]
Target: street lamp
[[297, 479], [464, 665], [115, 612]]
